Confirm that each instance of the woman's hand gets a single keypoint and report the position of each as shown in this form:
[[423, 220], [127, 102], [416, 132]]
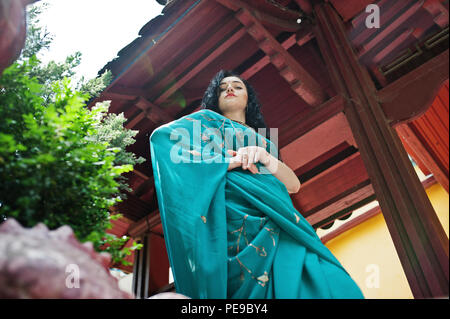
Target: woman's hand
[[247, 157]]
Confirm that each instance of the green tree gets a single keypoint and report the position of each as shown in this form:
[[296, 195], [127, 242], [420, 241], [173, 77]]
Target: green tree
[[37, 41], [60, 162]]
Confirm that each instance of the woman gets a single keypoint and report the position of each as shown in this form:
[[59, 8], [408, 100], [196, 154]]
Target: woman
[[230, 228]]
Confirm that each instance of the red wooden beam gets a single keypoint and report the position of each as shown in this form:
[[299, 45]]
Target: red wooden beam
[[366, 47], [153, 111], [351, 224], [421, 150], [393, 45], [385, 18], [348, 9], [359, 195], [120, 92], [133, 208], [438, 11], [145, 224], [305, 5], [303, 36], [271, 21], [418, 236], [200, 66], [330, 133], [135, 120], [290, 69], [330, 186], [321, 159], [297, 126], [150, 111], [365, 216], [411, 95], [209, 45], [170, 38]]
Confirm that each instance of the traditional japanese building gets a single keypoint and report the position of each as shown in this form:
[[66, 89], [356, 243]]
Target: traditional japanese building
[[358, 90]]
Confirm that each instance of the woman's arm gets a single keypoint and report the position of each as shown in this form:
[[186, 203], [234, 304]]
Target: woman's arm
[[283, 173], [247, 156]]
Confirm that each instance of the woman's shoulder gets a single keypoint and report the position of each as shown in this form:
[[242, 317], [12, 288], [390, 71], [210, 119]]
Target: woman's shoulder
[[200, 115], [206, 112]]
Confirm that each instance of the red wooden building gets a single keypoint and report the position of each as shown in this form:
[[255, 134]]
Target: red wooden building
[[352, 97]]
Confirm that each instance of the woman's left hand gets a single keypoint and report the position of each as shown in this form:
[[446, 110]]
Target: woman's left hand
[[248, 156]]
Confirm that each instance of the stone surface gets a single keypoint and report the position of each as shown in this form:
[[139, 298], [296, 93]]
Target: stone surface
[[39, 263]]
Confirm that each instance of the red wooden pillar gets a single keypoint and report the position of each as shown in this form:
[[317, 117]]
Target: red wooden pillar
[[159, 264], [151, 266], [141, 269], [418, 236]]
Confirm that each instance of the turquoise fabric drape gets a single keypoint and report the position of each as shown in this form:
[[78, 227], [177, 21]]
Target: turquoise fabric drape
[[234, 234]]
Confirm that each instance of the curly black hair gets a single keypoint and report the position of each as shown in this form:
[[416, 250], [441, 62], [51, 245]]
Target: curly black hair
[[253, 115]]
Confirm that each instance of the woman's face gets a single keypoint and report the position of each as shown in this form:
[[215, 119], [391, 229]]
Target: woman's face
[[233, 95]]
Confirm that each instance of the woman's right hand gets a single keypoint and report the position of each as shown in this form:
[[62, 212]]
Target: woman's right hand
[[237, 161]]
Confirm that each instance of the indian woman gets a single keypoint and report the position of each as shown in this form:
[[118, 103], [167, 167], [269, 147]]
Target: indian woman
[[230, 227]]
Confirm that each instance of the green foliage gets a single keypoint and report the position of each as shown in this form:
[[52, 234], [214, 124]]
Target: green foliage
[[39, 39], [60, 162], [111, 131], [114, 246], [52, 170]]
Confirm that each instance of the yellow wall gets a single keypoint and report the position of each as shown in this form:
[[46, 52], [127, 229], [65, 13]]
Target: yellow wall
[[369, 255]]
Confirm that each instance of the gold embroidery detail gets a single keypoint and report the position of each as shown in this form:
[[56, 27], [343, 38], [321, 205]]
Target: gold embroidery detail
[[262, 252], [263, 279], [261, 222], [297, 218], [242, 265], [241, 230], [203, 218], [272, 232]]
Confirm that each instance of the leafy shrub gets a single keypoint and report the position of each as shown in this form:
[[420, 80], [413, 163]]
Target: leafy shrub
[[58, 165]]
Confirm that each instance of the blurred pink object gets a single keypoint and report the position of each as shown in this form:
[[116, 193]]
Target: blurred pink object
[[38, 263], [12, 30]]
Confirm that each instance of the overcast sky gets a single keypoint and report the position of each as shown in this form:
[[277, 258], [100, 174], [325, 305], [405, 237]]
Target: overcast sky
[[97, 28]]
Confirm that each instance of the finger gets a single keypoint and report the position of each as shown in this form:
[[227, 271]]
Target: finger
[[237, 158], [251, 157], [254, 169], [244, 159], [231, 152], [235, 161]]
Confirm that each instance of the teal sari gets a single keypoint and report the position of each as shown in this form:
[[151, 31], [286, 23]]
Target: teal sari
[[234, 234]]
